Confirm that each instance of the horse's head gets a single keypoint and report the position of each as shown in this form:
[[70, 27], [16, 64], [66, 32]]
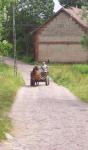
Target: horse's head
[[35, 69]]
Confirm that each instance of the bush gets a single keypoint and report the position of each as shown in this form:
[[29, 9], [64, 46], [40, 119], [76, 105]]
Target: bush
[[5, 48], [84, 41], [27, 59]]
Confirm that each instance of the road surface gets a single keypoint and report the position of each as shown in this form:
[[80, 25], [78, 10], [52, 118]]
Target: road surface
[[46, 118]]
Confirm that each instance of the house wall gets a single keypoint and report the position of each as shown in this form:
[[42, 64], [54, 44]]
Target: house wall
[[60, 41], [62, 53]]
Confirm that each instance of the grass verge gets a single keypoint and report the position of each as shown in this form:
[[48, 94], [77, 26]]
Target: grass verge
[[72, 76], [8, 88]]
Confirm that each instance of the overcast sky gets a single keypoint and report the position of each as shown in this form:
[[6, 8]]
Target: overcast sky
[[57, 6]]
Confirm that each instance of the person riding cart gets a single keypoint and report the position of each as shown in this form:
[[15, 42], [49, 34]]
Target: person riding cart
[[44, 68]]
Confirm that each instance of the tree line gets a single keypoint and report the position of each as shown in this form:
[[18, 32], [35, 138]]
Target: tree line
[[74, 3]]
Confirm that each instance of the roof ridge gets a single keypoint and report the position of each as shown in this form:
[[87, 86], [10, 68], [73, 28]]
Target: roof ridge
[[84, 26]]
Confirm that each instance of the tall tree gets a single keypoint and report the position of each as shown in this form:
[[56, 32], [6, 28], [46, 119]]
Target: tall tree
[[30, 14], [36, 9], [78, 3], [3, 10]]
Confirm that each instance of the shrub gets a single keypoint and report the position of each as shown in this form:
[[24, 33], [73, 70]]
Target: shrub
[[5, 48], [84, 41]]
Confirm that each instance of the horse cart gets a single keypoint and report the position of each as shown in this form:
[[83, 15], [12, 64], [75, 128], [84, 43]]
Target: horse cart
[[38, 76]]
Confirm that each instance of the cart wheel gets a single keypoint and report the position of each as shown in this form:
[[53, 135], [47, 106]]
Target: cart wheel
[[47, 81]]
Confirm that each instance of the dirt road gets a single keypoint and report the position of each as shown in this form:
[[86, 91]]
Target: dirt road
[[47, 118]]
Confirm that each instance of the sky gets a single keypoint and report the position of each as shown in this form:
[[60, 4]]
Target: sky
[[57, 6]]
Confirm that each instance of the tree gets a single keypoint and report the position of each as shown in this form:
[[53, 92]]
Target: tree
[[30, 14], [4, 4], [36, 9], [77, 3], [84, 40], [5, 46]]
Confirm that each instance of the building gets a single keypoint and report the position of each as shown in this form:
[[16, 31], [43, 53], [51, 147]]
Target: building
[[58, 40]]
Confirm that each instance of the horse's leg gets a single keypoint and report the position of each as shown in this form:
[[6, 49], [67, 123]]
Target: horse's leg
[[37, 83]]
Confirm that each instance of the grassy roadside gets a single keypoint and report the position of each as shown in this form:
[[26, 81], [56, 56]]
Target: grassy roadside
[[72, 76], [8, 88]]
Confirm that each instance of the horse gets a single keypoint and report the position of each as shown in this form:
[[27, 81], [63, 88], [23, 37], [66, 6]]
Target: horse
[[35, 76]]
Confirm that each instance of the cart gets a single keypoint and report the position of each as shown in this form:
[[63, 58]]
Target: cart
[[38, 76]]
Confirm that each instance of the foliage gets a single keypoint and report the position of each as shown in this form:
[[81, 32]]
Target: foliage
[[84, 14], [72, 76], [84, 41], [5, 48], [30, 14], [27, 59], [74, 3], [3, 5], [37, 10], [8, 88]]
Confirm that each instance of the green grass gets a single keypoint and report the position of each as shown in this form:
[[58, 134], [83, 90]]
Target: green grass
[[27, 59], [72, 76], [8, 88]]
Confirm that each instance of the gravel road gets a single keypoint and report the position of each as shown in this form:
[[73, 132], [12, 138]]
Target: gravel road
[[46, 118]]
